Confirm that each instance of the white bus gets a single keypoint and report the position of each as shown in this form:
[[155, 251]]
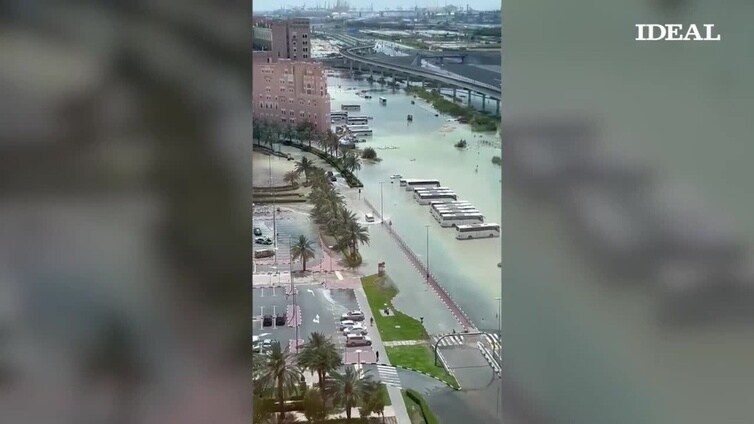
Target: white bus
[[359, 129], [425, 198], [436, 212], [357, 120], [383, 100], [449, 202], [338, 114], [350, 107], [422, 188], [473, 231], [411, 184], [453, 219]]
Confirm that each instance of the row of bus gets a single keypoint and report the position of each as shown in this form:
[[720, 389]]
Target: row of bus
[[449, 211]]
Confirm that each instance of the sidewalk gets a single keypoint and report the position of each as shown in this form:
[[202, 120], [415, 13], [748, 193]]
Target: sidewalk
[[399, 406]]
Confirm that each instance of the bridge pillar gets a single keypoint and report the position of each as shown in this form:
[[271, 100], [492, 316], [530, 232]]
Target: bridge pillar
[[484, 101], [350, 65], [454, 94], [497, 107], [469, 98]]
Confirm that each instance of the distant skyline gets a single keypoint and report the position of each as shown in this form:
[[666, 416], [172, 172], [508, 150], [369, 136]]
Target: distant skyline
[[269, 5]]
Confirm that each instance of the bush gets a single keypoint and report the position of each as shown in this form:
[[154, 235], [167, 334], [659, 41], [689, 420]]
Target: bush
[[461, 144], [369, 153], [496, 160]]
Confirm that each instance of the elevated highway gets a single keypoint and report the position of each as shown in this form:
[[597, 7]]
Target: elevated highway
[[447, 80]]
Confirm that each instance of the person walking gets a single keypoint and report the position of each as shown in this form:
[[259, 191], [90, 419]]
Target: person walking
[[371, 321], [377, 355]]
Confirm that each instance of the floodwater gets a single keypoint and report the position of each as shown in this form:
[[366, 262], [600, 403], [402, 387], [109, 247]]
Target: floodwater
[[425, 148]]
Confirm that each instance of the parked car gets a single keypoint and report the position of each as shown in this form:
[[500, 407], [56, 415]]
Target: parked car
[[356, 329], [353, 340], [267, 344], [257, 231], [353, 316], [257, 347], [346, 324], [280, 319], [259, 240], [267, 321]]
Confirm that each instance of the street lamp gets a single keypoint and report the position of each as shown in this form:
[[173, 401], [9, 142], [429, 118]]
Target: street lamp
[[382, 212], [293, 292], [427, 227]]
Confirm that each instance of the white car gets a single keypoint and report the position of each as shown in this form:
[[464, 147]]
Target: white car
[[346, 324], [353, 316], [356, 329], [396, 176]]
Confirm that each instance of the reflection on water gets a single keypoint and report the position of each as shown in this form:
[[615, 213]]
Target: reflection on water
[[425, 148]]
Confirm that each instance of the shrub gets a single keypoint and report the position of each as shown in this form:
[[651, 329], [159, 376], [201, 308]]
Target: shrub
[[429, 417], [496, 160], [369, 153], [461, 144]]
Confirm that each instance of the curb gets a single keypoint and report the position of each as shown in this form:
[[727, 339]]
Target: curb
[[488, 357], [414, 370]]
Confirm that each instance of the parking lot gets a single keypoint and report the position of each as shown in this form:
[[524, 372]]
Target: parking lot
[[290, 223], [320, 310]]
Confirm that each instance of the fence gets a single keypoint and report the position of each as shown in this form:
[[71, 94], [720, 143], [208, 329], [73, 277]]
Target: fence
[[456, 310]]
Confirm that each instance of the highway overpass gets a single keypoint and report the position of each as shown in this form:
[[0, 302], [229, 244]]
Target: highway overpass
[[488, 90]]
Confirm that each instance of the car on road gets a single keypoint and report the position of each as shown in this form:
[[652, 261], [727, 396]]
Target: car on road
[[280, 319], [353, 340], [257, 231], [369, 217], [267, 344], [346, 324], [267, 321], [263, 240], [356, 329], [355, 315], [396, 176]]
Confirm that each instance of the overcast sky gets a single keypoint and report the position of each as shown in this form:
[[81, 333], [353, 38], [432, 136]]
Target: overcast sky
[[265, 5]]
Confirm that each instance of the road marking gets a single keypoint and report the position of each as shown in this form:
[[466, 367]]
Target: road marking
[[388, 375], [339, 275]]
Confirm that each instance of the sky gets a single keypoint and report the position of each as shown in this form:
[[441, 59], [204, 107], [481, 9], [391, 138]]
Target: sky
[[266, 5]]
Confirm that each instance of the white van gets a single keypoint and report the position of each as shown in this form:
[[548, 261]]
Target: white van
[[369, 217], [357, 340]]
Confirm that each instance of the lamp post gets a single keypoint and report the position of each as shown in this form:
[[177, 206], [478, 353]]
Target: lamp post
[[382, 212], [293, 291], [427, 227], [274, 226]]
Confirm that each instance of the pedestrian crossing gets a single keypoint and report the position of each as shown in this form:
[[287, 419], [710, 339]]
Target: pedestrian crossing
[[388, 375], [494, 342], [446, 341]]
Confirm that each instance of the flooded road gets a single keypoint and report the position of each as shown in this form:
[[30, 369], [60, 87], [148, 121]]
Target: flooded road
[[425, 148]]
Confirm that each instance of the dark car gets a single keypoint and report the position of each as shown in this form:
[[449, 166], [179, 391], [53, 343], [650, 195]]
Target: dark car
[[257, 231], [280, 319], [333, 178], [260, 240], [267, 321]]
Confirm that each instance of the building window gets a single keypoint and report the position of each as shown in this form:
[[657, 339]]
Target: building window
[[304, 35]]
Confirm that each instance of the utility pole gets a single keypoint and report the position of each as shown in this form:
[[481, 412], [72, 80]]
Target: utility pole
[[274, 226]]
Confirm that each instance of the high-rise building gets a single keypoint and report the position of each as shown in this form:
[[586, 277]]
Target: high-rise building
[[289, 39], [290, 92]]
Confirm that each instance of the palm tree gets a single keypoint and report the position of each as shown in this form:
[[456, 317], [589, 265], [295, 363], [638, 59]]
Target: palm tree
[[351, 162], [354, 233], [281, 374], [302, 249], [290, 177], [372, 400], [305, 166], [321, 356], [350, 388]]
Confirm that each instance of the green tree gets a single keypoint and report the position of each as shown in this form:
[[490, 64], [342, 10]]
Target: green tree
[[303, 248], [372, 401], [291, 177], [369, 153], [321, 356], [280, 374], [315, 409], [350, 387], [304, 166], [351, 162], [355, 233]]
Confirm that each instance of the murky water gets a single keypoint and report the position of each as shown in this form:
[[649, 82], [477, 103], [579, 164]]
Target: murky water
[[425, 148]]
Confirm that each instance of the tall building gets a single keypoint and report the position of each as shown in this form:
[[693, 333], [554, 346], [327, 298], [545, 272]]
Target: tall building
[[291, 92], [289, 39]]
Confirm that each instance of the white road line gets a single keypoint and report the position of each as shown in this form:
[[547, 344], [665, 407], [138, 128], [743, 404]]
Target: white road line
[[339, 275]]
